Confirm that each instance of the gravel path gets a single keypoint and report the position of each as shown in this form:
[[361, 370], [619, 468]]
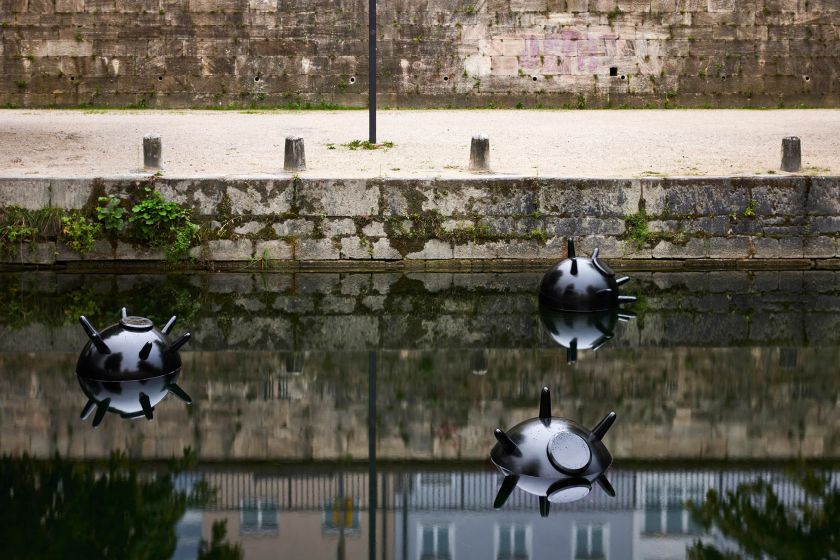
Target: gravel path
[[619, 143]]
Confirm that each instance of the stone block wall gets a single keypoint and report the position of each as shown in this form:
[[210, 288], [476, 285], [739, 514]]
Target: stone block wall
[[550, 53], [286, 221]]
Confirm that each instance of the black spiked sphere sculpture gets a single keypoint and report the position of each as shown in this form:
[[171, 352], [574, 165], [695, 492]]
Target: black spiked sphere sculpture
[[129, 368], [553, 458], [581, 284]]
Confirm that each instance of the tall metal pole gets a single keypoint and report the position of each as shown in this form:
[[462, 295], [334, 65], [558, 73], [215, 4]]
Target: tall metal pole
[[372, 454], [372, 70]]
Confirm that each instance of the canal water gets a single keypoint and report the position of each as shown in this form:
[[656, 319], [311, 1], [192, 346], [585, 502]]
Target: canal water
[[348, 415]]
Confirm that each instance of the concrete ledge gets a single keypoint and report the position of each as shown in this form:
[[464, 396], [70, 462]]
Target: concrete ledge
[[281, 220]]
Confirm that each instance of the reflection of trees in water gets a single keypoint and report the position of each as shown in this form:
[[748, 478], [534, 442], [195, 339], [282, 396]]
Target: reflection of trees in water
[[217, 548], [763, 526], [58, 509]]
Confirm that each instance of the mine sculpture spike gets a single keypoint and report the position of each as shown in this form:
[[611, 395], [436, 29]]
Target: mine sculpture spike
[[101, 409], [123, 313], [178, 392], [603, 269], [626, 299], [183, 339], [545, 404], [571, 352], [545, 506], [570, 251], [600, 344], [599, 431], [622, 280], [94, 337], [167, 328], [145, 351], [605, 485], [507, 443], [148, 410], [505, 490], [89, 406]]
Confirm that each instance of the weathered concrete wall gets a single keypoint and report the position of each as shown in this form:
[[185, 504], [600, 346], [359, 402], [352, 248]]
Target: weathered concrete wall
[[172, 53], [287, 221]]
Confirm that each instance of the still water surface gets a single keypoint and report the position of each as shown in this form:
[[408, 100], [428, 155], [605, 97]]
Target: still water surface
[[725, 385]]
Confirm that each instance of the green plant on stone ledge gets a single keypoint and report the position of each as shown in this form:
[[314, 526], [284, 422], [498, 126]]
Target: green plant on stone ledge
[[110, 214], [161, 223], [184, 237], [637, 228], [14, 234], [78, 232], [749, 211], [20, 225]]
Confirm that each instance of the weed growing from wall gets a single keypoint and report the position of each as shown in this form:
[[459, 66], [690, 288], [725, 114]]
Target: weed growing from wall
[[158, 222], [79, 232], [111, 214], [637, 228], [20, 226]]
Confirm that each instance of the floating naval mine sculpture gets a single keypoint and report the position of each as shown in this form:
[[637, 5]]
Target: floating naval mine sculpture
[[581, 331], [553, 458], [582, 284], [129, 368]]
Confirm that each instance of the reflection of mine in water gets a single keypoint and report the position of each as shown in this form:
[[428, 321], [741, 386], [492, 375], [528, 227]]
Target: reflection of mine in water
[[582, 331], [478, 362], [129, 368], [553, 458]]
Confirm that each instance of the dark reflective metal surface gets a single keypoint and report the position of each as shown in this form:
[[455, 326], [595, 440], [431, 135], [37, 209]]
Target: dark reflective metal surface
[[582, 331], [725, 385], [129, 367], [553, 458], [581, 284]]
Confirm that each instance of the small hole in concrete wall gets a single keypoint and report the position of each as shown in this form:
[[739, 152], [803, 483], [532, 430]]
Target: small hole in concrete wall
[[72, 78], [446, 78], [257, 78], [160, 78], [723, 77], [623, 77], [807, 78], [534, 78], [352, 79], [613, 71]]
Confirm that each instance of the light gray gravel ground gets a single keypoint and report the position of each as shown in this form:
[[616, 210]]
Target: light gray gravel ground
[[619, 143]]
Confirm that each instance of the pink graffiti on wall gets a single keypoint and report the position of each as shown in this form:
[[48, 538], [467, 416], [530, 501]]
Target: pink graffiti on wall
[[571, 51]]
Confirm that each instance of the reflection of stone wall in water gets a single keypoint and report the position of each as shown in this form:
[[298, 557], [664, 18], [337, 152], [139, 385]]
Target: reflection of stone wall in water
[[680, 403], [735, 364], [349, 311], [432, 53]]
